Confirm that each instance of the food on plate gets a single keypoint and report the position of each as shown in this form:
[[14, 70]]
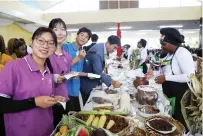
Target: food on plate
[[100, 100], [149, 110], [102, 121], [114, 124], [146, 94], [90, 119], [160, 125], [101, 107], [99, 132], [95, 122], [110, 124], [110, 91]]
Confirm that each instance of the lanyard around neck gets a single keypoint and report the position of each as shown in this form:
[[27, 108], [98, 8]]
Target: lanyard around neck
[[172, 60]]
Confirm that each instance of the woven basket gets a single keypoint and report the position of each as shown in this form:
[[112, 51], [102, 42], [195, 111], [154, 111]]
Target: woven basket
[[185, 102], [199, 69], [180, 129], [123, 132]]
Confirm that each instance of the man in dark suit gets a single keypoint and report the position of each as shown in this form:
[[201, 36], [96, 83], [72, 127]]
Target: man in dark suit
[[95, 63], [94, 39]]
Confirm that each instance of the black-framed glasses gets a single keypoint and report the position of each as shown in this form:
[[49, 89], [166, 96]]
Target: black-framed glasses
[[41, 41]]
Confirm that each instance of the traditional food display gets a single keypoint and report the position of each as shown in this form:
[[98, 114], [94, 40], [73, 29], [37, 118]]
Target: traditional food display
[[161, 125], [100, 100], [134, 109], [103, 107], [146, 94], [113, 123], [147, 111]]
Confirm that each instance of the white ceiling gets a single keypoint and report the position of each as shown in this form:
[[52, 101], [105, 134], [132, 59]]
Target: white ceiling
[[187, 24], [13, 18], [40, 4]]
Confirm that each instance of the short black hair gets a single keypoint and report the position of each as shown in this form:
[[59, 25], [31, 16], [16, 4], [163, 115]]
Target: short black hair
[[86, 30], [114, 40], [199, 53], [143, 42], [56, 21], [94, 38]]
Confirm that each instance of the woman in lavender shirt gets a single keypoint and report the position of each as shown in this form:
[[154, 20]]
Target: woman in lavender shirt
[[61, 63], [30, 79]]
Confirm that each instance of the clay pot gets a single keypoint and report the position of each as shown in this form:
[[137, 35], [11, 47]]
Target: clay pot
[[140, 81]]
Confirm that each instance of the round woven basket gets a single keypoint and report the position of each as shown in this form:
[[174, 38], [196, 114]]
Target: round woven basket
[[180, 129]]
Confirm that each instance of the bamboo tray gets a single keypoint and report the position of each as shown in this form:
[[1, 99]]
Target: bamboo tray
[[122, 132]]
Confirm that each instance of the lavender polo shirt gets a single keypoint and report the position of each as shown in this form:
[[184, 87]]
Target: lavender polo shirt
[[61, 65], [21, 79]]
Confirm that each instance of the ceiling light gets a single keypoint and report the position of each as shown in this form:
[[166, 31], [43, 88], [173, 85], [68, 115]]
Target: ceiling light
[[173, 26], [189, 32], [72, 30], [115, 28]]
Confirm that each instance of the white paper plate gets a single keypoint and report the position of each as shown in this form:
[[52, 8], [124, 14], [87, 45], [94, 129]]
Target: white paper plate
[[70, 75], [146, 115], [162, 132], [93, 75]]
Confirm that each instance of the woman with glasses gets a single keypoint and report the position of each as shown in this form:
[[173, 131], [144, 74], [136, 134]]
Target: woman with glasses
[[178, 66], [16, 48], [27, 92]]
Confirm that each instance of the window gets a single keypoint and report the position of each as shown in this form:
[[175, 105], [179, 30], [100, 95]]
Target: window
[[148, 3], [190, 3], [74, 6], [169, 3]]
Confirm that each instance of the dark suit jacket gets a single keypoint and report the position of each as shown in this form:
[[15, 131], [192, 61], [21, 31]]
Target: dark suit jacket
[[94, 63], [87, 48]]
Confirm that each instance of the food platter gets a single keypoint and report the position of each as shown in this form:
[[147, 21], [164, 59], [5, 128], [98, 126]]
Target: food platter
[[148, 111], [121, 126], [174, 127], [100, 100], [160, 125], [111, 91]]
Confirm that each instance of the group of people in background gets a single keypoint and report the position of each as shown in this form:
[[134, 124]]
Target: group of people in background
[[171, 65], [33, 82]]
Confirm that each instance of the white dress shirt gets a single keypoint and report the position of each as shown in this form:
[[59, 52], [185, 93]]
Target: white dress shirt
[[182, 66]]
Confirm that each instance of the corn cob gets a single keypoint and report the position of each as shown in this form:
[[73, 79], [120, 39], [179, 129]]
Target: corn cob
[[95, 122], [90, 119], [110, 124], [102, 121]]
